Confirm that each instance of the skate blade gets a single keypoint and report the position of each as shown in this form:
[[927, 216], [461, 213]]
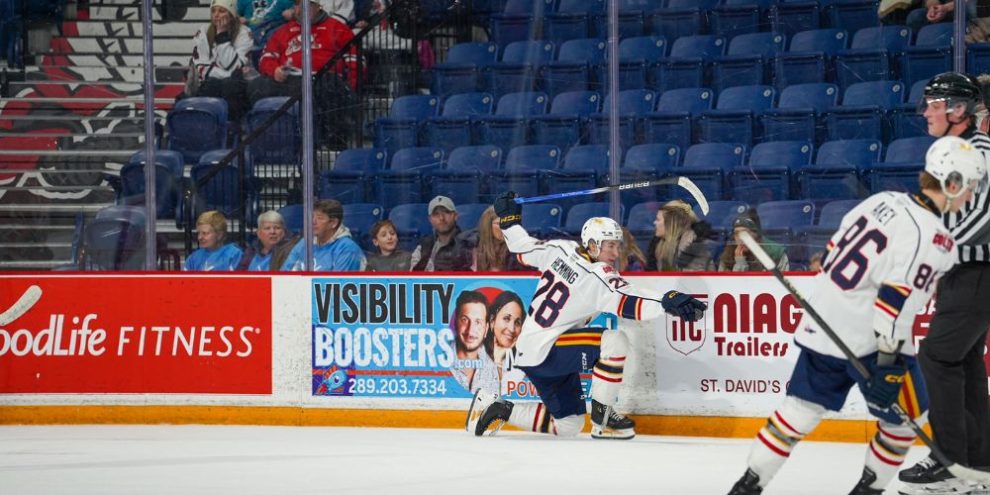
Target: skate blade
[[599, 433], [953, 487], [498, 424]]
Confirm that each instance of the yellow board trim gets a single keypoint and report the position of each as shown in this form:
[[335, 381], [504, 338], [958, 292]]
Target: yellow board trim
[[703, 426]]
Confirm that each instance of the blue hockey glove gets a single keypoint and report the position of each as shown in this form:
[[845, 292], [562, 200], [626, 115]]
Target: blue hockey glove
[[509, 212], [683, 305], [885, 383]]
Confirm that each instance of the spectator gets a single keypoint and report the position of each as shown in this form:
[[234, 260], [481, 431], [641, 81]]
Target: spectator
[[213, 255], [735, 256], [264, 16], [815, 263], [333, 248], [281, 61], [936, 11], [342, 10], [490, 252], [221, 55], [444, 250], [389, 258], [680, 241], [631, 258], [271, 237]]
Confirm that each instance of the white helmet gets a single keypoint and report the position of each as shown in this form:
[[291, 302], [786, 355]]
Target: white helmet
[[953, 160], [600, 229]]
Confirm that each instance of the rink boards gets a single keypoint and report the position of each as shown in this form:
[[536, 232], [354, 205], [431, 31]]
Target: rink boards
[[368, 350]]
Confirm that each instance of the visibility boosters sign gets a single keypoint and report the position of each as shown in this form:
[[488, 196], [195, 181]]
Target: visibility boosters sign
[[136, 334]]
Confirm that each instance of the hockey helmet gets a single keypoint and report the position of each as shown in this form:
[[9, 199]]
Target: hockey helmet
[[600, 229], [953, 160], [955, 88]]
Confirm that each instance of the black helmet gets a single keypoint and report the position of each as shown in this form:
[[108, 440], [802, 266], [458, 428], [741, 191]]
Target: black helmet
[[956, 88]]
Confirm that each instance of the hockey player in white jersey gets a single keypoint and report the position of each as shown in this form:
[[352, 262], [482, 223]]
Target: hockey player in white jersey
[[880, 269], [577, 283]]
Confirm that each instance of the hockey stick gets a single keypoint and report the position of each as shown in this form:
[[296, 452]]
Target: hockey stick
[[684, 182], [26, 302], [956, 469]]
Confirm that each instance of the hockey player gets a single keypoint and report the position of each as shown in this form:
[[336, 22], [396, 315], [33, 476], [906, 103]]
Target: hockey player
[[554, 347], [880, 269]]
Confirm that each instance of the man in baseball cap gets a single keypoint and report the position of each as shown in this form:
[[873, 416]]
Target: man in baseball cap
[[443, 250]]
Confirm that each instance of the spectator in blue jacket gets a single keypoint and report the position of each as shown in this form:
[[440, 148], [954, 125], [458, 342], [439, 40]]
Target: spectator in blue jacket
[[333, 248], [264, 16], [213, 255]]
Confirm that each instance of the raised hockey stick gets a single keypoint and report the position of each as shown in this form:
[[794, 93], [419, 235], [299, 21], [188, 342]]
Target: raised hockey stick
[[956, 469], [26, 302], [684, 182]]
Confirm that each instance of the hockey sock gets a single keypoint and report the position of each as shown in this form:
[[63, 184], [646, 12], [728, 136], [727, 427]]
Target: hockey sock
[[784, 429], [886, 451], [606, 376], [535, 417]]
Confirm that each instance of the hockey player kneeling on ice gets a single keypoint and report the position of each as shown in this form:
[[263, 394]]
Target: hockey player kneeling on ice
[[880, 269], [578, 282]]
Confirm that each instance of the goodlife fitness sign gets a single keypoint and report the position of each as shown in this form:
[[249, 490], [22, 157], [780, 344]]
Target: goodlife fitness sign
[[136, 334]]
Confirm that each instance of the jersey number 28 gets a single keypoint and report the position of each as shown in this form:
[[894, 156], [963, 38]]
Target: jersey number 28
[[556, 295]]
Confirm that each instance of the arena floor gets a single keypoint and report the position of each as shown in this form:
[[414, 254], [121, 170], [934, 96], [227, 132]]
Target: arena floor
[[247, 460]]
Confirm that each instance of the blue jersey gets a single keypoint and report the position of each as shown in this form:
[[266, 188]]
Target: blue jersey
[[224, 259], [340, 255], [261, 262]]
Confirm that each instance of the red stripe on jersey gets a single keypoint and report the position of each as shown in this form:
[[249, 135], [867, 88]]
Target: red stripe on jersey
[[882, 306], [771, 446]]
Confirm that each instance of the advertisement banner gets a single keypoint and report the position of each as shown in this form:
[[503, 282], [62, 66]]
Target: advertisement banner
[[419, 337], [138, 334]]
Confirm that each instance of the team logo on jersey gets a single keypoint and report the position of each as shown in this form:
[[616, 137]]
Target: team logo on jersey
[[685, 336]]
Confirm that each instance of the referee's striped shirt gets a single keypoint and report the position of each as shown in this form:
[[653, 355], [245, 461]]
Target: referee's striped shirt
[[971, 225]]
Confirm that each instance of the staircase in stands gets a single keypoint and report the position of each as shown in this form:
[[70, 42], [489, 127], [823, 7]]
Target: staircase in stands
[[76, 118]]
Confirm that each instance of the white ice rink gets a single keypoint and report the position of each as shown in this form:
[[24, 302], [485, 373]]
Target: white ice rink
[[250, 460]]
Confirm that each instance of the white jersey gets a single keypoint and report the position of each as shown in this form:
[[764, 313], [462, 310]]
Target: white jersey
[[572, 291], [880, 270]]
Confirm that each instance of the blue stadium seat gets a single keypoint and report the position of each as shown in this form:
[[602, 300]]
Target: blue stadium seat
[[767, 175], [469, 214], [734, 17], [572, 20], [798, 115], [864, 112], [461, 71], [197, 125], [837, 169], [359, 218], [509, 127], [637, 56], [584, 167], [168, 182], [453, 128], [280, 143], [709, 164], [411, 222], [542, 219], [735, 115], [574, 66], [746, 61], [632, 14], [780, 220], [401, 128], [681, 18], [905, 158], [292, 215], [814, 238], [633, 103], [852, 15], [115, 239], [930, 55], [905, 119], [673, 120], [646, 162], [792, 17], [351, 178], [809, 57], [722, 214], [402, 182], [641, 218], [978, 58], [519, 68], [466, 176], [522, 168], [563, 127], [871, 55], [580, 213], [221, 192], [685, 66], [520, 20]]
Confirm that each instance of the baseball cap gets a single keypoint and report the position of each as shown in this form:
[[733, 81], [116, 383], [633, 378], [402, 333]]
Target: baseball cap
[[443, 201]]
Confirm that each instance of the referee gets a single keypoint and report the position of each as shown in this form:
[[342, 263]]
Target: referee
[[951, 357]]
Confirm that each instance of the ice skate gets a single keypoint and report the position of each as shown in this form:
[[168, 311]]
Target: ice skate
[[487, 411], [863, 487], [616, 427], [749, 484]]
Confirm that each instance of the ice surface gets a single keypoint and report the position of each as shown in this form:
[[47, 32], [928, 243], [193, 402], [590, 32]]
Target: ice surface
[[247, 460]]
